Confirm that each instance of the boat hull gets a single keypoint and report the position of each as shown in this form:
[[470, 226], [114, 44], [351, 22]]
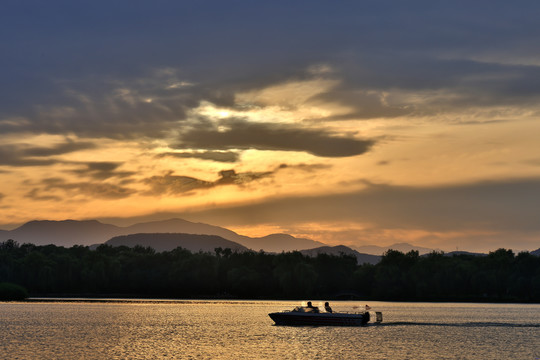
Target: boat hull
[[293, 318]]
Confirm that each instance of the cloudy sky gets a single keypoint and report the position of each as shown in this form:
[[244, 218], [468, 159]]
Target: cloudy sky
[[354, 122]]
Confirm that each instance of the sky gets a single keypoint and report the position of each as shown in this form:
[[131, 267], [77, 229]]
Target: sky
[[352, 122]]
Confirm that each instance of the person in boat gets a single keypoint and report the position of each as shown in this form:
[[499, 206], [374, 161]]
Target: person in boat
[[311, 308], [327, 307]]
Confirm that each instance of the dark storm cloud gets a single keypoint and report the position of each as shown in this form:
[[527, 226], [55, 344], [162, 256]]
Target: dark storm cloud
[[102, 170], [491, 206], [68, 147], [27, 155], [37, 194], [240, 134], [228, 177], [57, 55], [365, 105], [170, 184], [11, 157], [90, 190], [103, 166], [119, 111], [368, 83], [219, 156], [150, 104], [174, 184]]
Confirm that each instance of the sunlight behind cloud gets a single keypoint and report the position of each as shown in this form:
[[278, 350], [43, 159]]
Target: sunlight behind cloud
[[246, 117]]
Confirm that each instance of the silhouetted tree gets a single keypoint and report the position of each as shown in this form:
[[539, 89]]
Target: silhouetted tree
[[141, 271]]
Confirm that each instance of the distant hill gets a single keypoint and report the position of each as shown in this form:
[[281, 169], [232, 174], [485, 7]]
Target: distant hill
[[169, 241], [90, 232], [280, 242], [341, 249], [456, 253], [62, 233], [536, 252], [403, 247], [186, 227], [269, 243]]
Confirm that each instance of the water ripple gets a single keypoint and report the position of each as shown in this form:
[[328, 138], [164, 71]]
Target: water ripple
[[463, 324]]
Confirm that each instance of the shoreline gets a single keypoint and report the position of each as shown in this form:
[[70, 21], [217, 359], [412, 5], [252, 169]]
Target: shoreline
[[135, 300]]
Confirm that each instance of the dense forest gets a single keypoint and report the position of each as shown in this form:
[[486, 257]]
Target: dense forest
[[143, 272]]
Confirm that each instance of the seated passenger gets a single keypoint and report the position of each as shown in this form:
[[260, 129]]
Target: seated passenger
[[311, 308], [327, 307]]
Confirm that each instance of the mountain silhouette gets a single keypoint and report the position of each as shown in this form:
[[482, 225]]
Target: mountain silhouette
[[403, 247], [281, 242], [183, 226], [91, 232], [457, 253], [341, 249], [269, 243], [62, 233], [169, 241]]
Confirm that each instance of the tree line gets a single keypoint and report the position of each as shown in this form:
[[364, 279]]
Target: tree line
[[143, 272]]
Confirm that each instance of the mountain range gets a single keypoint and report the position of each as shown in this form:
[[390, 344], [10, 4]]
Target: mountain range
[[170, 241], [403, 247], [341, 249], [90, 232]]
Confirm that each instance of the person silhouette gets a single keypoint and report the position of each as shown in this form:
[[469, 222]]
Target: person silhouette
[[311, 308], [327, 307]]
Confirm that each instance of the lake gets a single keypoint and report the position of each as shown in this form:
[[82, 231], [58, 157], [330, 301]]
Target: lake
[[242, 330]]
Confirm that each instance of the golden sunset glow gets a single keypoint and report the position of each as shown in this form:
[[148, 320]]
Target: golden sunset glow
[[349, 133], [269, 179]]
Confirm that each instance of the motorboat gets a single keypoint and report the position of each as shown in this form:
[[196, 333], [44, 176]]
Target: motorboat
[[302, 316]]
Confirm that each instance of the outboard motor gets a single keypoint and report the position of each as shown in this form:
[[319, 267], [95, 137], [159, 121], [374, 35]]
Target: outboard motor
[[378, 316]]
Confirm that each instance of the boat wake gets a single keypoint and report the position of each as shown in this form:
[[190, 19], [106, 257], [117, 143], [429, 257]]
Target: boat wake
[[463, 324]]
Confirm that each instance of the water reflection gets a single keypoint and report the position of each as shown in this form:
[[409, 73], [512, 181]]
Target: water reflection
[[242, 329], [461, 325]]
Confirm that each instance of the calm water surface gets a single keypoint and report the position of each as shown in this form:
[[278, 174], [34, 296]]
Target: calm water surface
[[243, 330]]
